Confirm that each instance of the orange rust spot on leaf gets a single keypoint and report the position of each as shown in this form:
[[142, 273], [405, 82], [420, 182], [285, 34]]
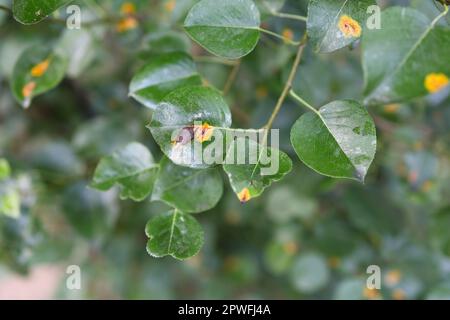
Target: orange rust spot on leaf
[[127, 24], [371, 294], [391, 108], [435, 82], [128, 8], [393, 277], [39, 69], [288, 34], [170, 5], [28, 89], [244, 195], [349, 27], [399, 294], [203, 132]]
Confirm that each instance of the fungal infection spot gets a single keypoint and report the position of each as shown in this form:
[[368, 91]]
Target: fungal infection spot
[[39, 69], [28, 89], [203, 132], [391, 108], [435, 82], [349, 27], [128, 8], [126, 24], [170, 5], [185, 136], [288, 34], [244, 195], [393, 277]]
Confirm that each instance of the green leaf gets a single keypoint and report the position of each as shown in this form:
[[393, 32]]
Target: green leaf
[[132, 168], [335, 24], [310, 273], [5, 169], [166, 41], [38, 70], [338, 141], [30, 12], [226, 28], [174, 233], [188, 190], [415, 48], [261, 167], [161, 76], [175, 118], [10, 203]]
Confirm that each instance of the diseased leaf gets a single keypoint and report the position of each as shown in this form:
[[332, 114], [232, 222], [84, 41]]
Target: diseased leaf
[[334, 24], [132, 168], [188, 190], [161, 76], [227, 28], [30, 12], [38, 70], [174, 233], [338, 141], [414, 65], [184, 122], [261, 167]]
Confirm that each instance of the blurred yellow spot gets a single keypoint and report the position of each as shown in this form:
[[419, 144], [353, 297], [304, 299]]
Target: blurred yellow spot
[[435, 82], [418, 145], [170, 5], [349, 27], [290, 247], [427, 185], [393, 277], [39, 69], [126, 24], [232, 217], [288, 34], [128, 8], [203, 132], [391, 108], [28, 89], [399, 294], [261, 92], [334, 262], [371, 294], [244, 195]]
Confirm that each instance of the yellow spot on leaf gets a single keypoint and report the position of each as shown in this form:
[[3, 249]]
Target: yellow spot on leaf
[[393, 277], [435, 82], [288, 34], [391, 108], [349, 27], [290, 248], [127, 24], [244, 195], [128, 8], [170, 5], [399, 294], [371, 294], [28, 89], [203, 132], [39, 69]]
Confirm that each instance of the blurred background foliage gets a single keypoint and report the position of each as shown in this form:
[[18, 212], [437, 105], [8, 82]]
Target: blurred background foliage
[[307, 237]]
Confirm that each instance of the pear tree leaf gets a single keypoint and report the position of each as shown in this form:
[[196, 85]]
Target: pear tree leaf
[[338, 141], [132, 167], [5, 169], [226, 28], [30, 12], [261, 167], [9, 201], [188, 190], [38, 70], [414, 66], [335, 24], [161, 75], [174, 233]]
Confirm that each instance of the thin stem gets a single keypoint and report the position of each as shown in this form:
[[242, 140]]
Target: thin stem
[[444, 13], [287, 86], [5, 8], [303, 102], [233, 74], [210, 59], [276, 35], [289, 16]]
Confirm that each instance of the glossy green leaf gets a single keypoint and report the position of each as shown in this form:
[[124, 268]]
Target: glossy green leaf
[[30, 12], [334, 24], [132, 167], [174, 233], [338, 141], [401, 59], [161, 76], [5, 169], [227, 28], [38, 70], [261, 167], [174, 119], [188, 190]]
